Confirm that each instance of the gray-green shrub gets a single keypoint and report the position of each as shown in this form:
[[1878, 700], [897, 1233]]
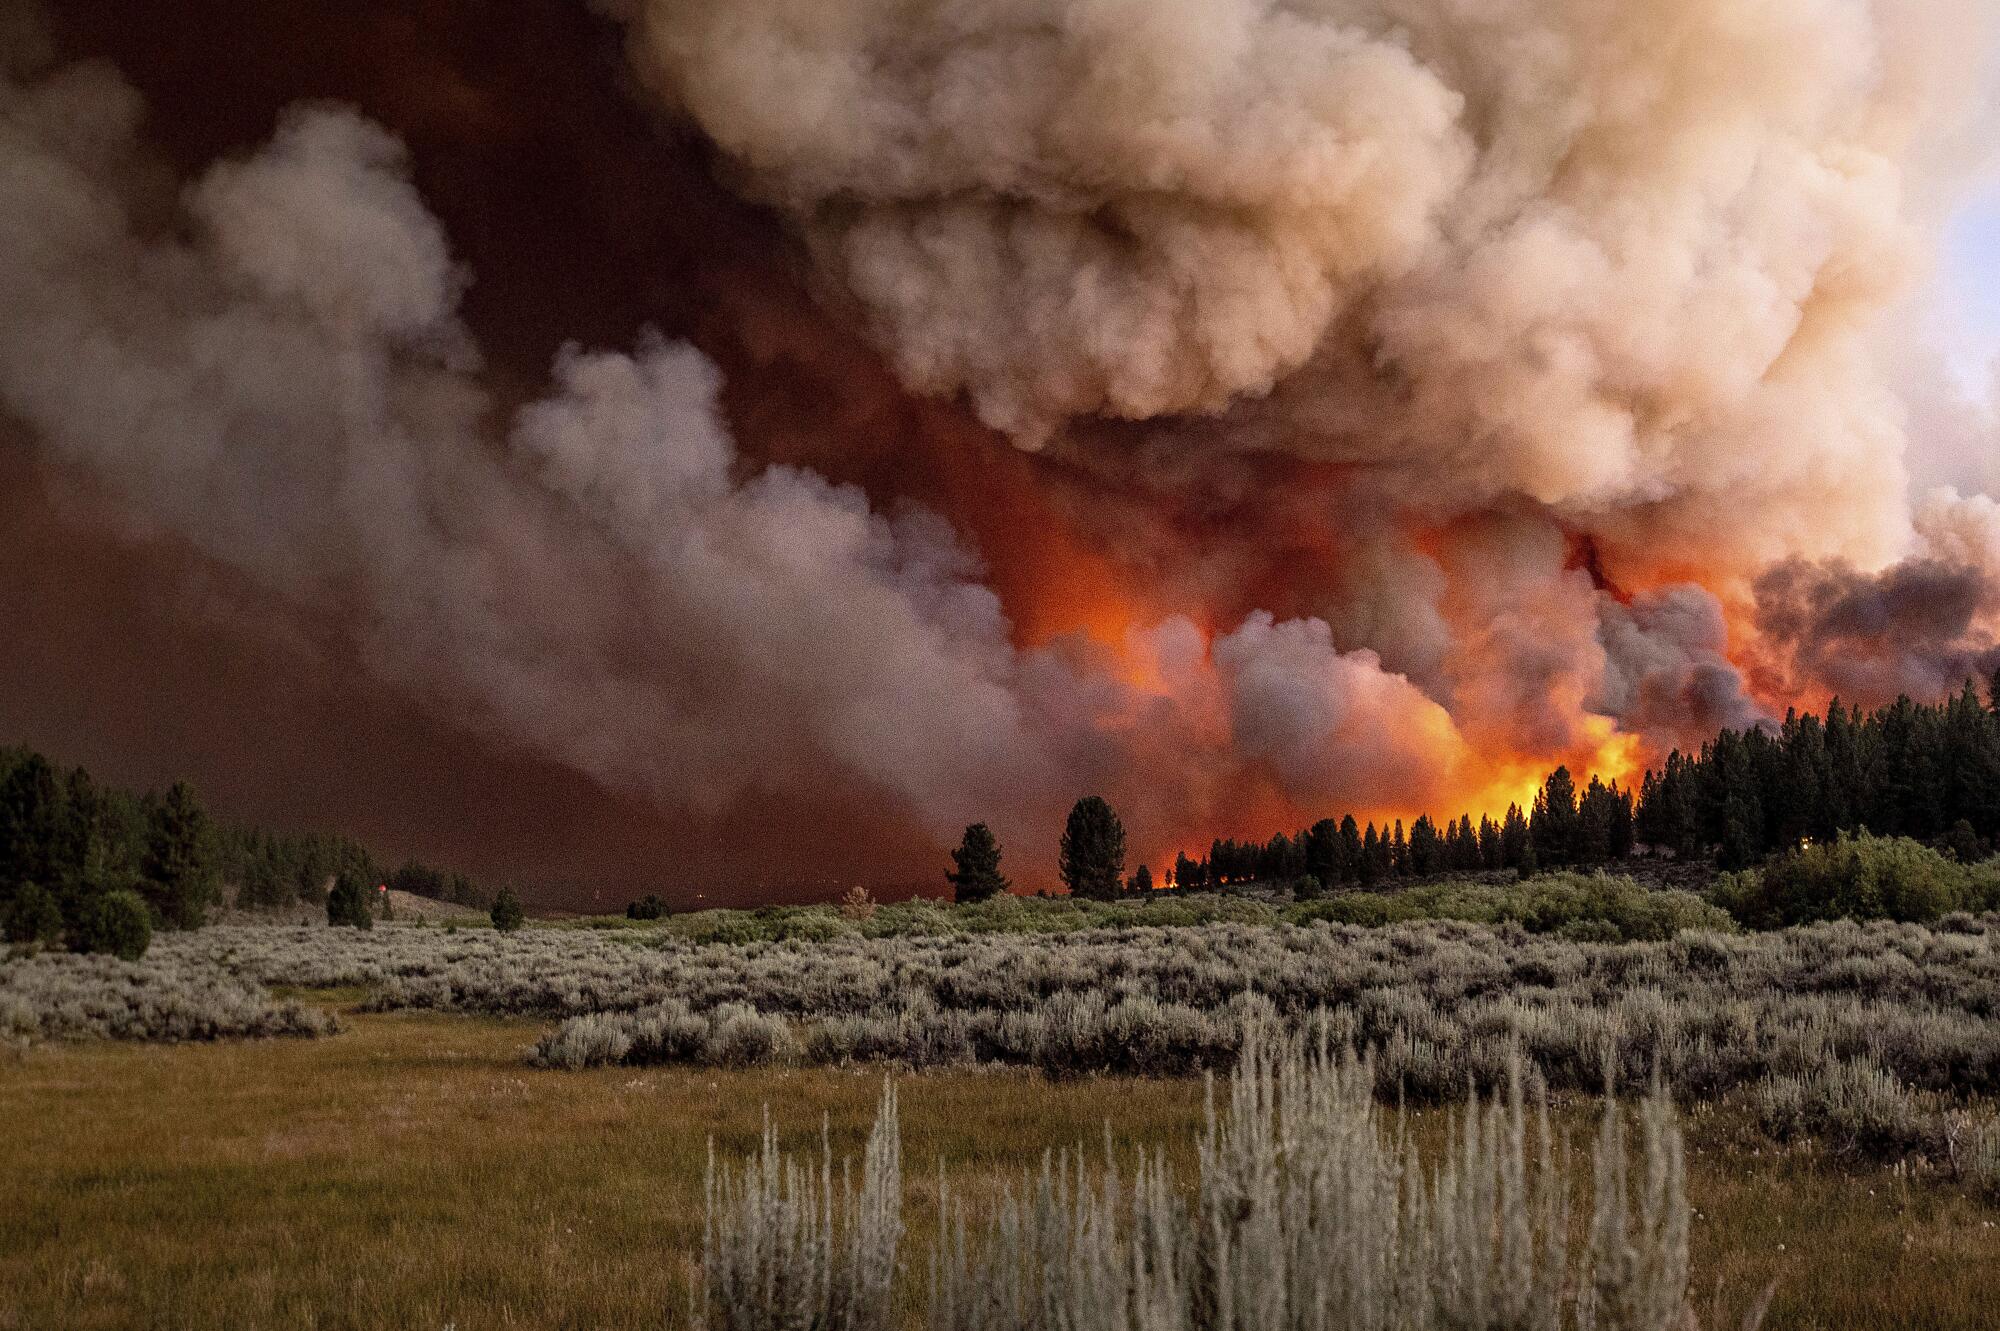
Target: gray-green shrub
[[1310, 1211], [1854, 1106]]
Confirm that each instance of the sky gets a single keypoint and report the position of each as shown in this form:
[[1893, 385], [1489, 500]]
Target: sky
[[1968, 291]]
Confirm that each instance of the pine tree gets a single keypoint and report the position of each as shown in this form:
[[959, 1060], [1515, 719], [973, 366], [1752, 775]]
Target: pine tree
[[1370, 866], [1553, 825], [30, 809], [1491, 854], [1322, 858], [178, 876], [1468, 845], [347, 904], [1092, 854], [507, 914], [1188, 874], [1350, 849], [1595, 812], [977, 875], [1142, 882], [1425, 851], [1515, 844], [1622, 815], [33, 917], [117, 923]]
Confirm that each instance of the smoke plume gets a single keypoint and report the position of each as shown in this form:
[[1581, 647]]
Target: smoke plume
[[1614, 261], [1408, 396]]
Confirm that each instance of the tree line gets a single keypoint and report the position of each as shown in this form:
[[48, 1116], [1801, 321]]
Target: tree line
[[1930, 772], [98, 868]]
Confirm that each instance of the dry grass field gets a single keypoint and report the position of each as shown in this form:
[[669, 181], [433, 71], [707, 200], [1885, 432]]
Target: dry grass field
[[412, 1173]]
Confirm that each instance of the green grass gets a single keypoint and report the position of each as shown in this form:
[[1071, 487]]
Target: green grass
[[411, 1173]]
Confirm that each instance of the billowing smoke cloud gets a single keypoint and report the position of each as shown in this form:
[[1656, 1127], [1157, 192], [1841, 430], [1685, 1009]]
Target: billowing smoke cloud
[[1924, 625], [1418, 395], [1612, 259], [271, 368]]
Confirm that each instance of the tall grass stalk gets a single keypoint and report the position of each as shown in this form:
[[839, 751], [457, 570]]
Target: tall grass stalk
[[788, 1248], [1310, 1211]]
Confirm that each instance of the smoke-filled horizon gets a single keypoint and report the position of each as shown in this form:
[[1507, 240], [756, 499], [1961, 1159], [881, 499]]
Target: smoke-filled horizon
[[876, 417]]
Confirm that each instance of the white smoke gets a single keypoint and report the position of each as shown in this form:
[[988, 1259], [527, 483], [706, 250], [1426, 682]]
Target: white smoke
[[274, 371], [1618, 260], [1528, 294]]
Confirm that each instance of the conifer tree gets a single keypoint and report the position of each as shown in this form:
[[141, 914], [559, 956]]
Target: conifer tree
[[1350, 849], [178, 876], [1595, 812], [1322, 857], [32, 917], [1514, 841], [30, 807], [1491, 856], [1092, 854], [1621, 822], [1425, 850], [976, 875], [1553, 825], [507, 914], [347, 904], [117, 923], [1468, 844]]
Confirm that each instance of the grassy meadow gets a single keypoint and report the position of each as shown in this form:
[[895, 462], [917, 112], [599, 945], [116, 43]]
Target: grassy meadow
[[412, 1172]]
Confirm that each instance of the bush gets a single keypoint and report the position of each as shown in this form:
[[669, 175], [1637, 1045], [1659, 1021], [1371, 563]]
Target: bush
[[117, 923], [1854, 1106], [1859, 877], [1586, 908], [347, 904], [507, 913], [1309, 1208], [34, 917], [857, 905], [648, 907]]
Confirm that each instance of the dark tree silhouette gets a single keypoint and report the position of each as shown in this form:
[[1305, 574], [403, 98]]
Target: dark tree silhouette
[[1092, 858], [977, 876], [179, 875], [507, 913]]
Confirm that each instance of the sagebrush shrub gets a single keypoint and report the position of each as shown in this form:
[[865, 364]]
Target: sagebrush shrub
[[785, 1246], [1310, 1211], [1855, 1106]]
